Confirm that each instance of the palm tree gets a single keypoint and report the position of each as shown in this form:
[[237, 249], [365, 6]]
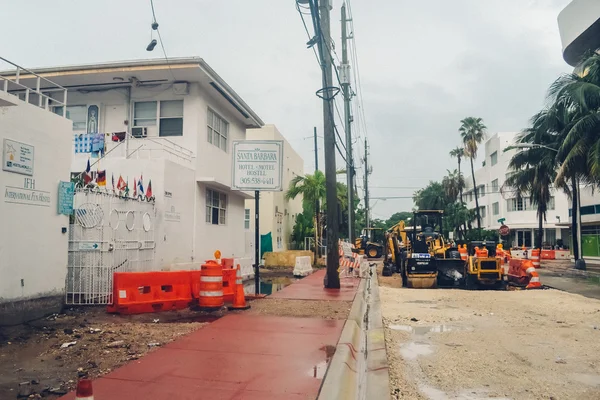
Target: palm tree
[[312, 189], [472, 131], [459, 153], [578, 95], [533, 170], [453, 184]]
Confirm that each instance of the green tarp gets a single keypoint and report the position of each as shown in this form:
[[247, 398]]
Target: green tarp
[[266, 243]]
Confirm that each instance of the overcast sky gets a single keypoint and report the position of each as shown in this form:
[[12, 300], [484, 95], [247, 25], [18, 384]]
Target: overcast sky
[[424, 65]]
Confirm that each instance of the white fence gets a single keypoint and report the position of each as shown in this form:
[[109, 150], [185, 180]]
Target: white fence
[[107, 234]]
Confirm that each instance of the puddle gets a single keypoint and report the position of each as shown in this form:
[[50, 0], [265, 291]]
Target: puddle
[[268, 286], [587, 379], [422, 330], [413, 350], [318, 371]]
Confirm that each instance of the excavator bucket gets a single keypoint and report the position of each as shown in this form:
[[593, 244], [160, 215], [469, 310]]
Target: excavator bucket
[[422, 281]]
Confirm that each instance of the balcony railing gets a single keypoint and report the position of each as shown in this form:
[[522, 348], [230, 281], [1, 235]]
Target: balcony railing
[[14, 85]]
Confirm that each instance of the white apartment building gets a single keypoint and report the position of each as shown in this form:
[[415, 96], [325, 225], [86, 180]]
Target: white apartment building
[[277, 215], [171, 123], [579, 26], [36, 155], [497, 202]]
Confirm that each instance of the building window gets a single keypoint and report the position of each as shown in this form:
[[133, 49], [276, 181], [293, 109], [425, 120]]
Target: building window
[[144, 113], [171, 118], [216, 207], [495, 186], [77, 114], [168, 112], [218, 130], [496, 208], [494, 158], [516, 204], [481, 190], [551, 203], [482, 211], [247, 219]]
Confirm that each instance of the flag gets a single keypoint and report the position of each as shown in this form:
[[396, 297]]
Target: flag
[[134, 188], [113, 181], [149, 190], [127, 187], [101, 178], [87, 176], [141, 185], [121, 184]]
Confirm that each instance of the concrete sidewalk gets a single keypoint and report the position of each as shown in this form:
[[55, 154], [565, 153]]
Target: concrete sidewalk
[[238, 356]]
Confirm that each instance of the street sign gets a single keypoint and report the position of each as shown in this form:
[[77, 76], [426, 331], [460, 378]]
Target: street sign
[[258, 165], [504, 230], [89, 246]]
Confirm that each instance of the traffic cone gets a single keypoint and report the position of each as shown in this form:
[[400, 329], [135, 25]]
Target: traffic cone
[[534, 281], [84, 390], [239, 299]]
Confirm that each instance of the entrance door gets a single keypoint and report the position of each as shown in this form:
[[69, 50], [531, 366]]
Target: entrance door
[[524, 238]]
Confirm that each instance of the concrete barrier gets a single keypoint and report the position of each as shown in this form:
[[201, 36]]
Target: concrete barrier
[[246, 266], [303, 266], [562, 254], [359, 368], [285, 258]]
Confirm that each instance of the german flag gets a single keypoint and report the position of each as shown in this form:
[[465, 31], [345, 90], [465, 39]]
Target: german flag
[[101, 178]]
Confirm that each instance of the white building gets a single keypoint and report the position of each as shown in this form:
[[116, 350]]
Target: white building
[[579, 25], [497, 202], [277, 215], [36, 156], [180, 118]]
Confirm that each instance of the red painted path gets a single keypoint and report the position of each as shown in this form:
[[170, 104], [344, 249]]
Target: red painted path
[[237, 357]]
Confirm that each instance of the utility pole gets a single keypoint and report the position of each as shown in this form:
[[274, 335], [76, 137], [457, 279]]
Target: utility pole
[[332, 278], [345, 78], [317, 205], [367, 222]]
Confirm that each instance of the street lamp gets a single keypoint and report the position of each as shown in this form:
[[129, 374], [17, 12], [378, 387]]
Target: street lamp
[[577, 206]]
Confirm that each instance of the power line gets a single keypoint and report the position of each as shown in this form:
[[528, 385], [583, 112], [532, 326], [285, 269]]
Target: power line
[[162, 45]]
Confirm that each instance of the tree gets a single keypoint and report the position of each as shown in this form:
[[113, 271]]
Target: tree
[[303, 226], [533, 170], [453, 184], [397, 217], [472, 131], [577, 95], [312, 189], [432, 197], [459, 153]]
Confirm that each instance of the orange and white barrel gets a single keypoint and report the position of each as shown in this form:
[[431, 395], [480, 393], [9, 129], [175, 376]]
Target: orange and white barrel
[[462, 250], [535, 257], [211, 286], [534, 280]]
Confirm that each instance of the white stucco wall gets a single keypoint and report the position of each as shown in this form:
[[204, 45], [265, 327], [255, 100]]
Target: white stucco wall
[[33, 250]]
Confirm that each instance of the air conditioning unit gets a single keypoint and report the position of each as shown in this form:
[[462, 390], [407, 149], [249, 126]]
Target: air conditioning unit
[[139, 132]]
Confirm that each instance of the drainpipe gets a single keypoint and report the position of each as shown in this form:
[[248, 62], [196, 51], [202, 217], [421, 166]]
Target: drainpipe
[[127, 129]]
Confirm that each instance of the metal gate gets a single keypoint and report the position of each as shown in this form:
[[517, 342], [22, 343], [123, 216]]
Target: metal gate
[[107, 234]]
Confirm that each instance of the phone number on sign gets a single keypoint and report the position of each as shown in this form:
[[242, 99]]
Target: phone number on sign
[[257, 181]]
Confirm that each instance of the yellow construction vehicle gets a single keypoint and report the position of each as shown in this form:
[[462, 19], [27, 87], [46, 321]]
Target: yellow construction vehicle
[[370, 242], [421, 254], [483, 269]]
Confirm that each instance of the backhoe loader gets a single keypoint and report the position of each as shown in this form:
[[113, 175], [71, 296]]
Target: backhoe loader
[[421, 254], [370, 243]]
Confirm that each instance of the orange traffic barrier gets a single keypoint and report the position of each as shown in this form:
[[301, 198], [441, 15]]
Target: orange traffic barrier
[[227, 263], [481, 253], [146, 292], [534, 278], [548, 255], [228, 285], [84, 390], [239, 301], [535, 258], [462, 250], [516, 273], [211, 286]]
